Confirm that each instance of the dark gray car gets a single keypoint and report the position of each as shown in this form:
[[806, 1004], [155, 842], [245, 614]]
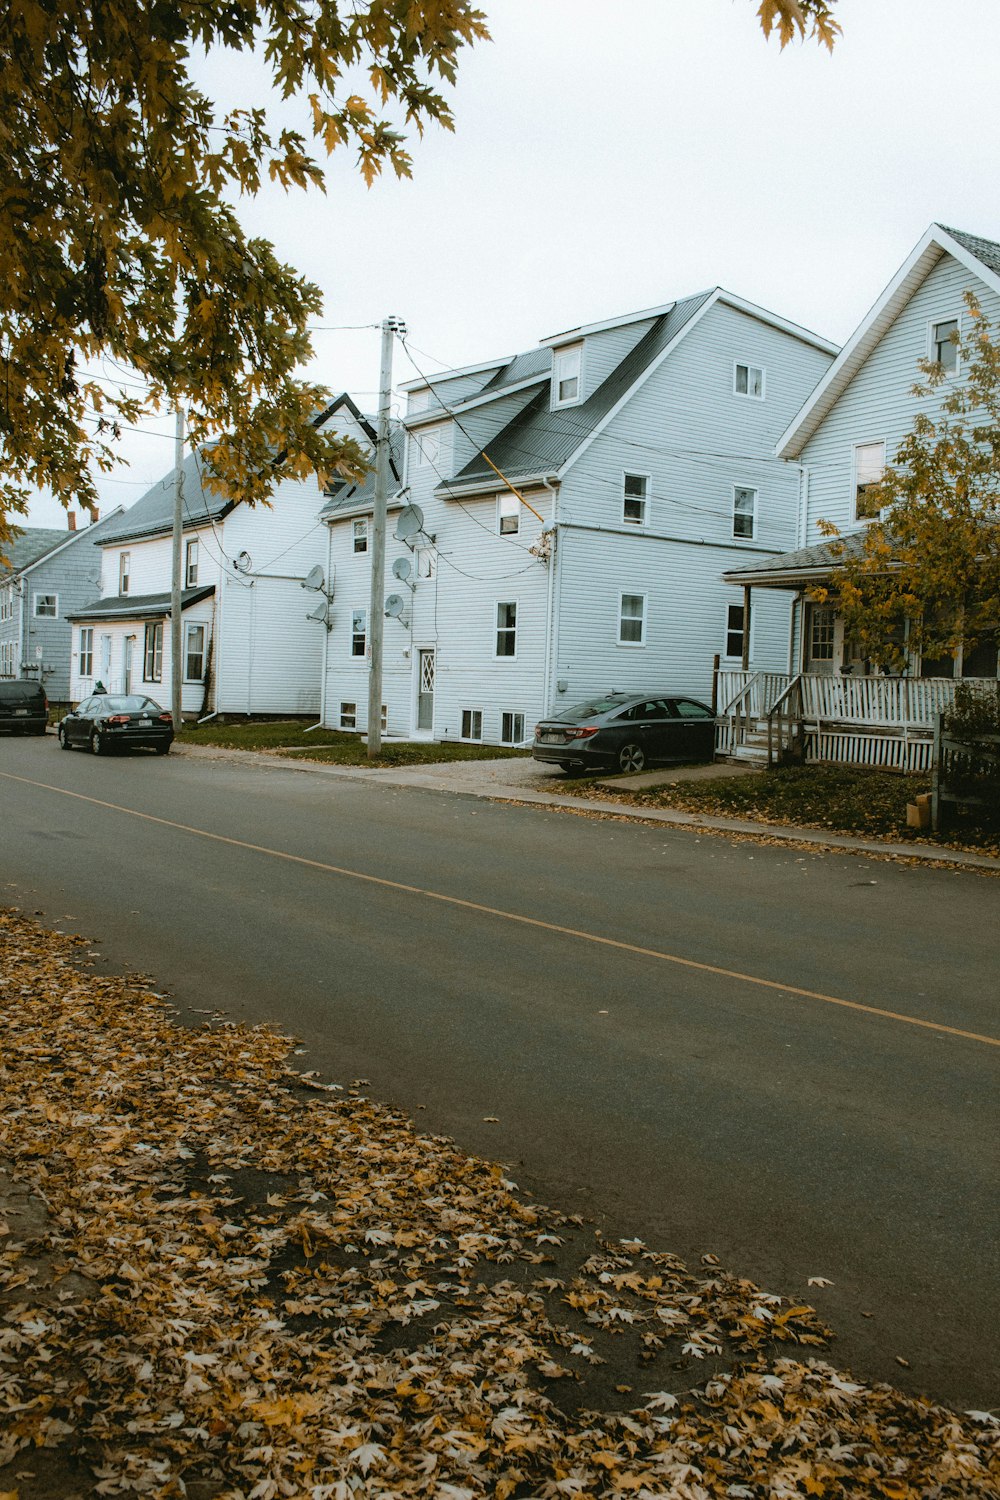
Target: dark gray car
[[113, 721], [24, 708], [626, 732]]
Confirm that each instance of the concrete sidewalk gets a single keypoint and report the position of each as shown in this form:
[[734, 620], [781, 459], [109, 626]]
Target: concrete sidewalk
[[524, 781]]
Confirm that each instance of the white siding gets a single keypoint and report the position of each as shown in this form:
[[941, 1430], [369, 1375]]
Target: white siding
[[879, 404]]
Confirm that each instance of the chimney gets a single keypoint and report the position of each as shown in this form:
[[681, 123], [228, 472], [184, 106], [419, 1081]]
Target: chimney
[[71, 519]]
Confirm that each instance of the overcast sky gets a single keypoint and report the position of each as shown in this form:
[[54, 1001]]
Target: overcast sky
[[614, 156]]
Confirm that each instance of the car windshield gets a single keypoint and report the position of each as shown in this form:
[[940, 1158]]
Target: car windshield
[[130, 704], [593, 706]]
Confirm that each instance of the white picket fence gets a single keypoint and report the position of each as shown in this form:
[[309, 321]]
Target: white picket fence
[[886, 722]]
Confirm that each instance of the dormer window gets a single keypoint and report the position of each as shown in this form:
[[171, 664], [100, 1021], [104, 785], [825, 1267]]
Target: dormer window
[[944, 348], [748, 380], [566, 376], [427, 448]]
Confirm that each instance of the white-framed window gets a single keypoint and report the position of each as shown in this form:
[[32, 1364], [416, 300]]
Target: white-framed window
[[6, 658], [744, 512], [472, 723], [194, 653], [748, 380], [348, 716], [152, 669], [359, 532], [86, 651], [943, 348], [631, 619], [7, 602], [869, 466], [191, 553], [508, 514], [511, 728], [359, 631], [428, 448], [506, 629], [635, 496], [566, 367], [734, 631], [124, 568], [46, 606], [425, 562]]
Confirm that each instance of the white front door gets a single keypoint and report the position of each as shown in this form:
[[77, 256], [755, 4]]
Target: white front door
[[127, 664], [425, 691]]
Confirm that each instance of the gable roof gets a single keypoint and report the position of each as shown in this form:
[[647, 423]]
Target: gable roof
[[153, 513], [29, 546], [981, 257], [357, 497]]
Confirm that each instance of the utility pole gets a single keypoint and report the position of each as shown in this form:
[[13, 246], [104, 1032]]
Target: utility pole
[[390, 327], [176, 669]]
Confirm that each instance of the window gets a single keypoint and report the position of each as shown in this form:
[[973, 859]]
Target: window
[[635, 495], [566, 377], [944, 349], [869, 466], [6, 658], [425, 562], [472, 723], [359, 631], [86, 651], [744, 513], [194, 653], [46, 606], [7, 603], [822, 625], [632, 620], [361, 536], [687, 708], [734, 630], [191, 564], [748, 380], [153, 662], [123, 572], [511, 728], [506, 630], [348, 716], [508, 515], [427, 448]]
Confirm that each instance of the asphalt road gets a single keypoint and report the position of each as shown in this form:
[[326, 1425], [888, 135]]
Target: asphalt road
[[594, 985]]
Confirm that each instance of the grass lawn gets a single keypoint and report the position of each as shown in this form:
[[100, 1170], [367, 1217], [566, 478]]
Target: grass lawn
[[332, 745], [843, 799]]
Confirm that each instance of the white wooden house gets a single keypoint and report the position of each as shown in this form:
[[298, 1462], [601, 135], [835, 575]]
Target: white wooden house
[[840, 440], [642, 452], [249, 646]]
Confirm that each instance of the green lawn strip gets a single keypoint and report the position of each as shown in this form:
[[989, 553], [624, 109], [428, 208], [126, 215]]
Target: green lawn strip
[[841, 799], [333, 746]]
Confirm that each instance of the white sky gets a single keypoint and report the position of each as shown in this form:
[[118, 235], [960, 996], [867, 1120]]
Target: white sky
[[614, 156]]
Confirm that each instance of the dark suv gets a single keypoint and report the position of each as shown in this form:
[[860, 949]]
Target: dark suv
[[24, 708]]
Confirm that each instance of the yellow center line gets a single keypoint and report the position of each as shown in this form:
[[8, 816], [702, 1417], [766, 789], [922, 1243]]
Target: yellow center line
[[513, 916]]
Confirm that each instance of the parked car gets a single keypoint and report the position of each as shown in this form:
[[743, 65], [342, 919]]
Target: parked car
[[24, 708], [626, 731], [109, 721]]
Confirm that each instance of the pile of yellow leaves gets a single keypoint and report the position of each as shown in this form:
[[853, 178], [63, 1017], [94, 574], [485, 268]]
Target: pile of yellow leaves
[[244, 1285]]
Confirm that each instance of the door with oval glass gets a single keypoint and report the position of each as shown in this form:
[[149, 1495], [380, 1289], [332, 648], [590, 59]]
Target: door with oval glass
[[425, 690]]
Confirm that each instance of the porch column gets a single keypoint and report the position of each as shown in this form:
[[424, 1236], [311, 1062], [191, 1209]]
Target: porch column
[[746, 627]]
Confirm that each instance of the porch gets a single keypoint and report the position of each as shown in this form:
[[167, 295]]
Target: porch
[[886, 722]]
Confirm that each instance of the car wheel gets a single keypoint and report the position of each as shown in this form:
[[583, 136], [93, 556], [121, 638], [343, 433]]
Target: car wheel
[[631, 758], [97, 745], [64, 743]]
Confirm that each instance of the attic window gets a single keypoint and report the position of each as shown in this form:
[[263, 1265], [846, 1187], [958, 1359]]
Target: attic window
[[944, 349], [748, 380], [566, 377], [869, 466]]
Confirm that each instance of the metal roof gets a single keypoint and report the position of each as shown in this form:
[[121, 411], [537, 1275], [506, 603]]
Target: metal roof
[[139, 606]]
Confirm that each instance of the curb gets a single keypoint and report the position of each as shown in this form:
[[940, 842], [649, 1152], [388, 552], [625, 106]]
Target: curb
[[787, 833]]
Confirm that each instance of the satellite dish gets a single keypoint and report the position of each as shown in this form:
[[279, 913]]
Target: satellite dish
[[314, 578], [409, 523], [401, 569], [319, 613], [394, 606]]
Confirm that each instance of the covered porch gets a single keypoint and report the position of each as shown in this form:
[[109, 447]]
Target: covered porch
[[832, 704]]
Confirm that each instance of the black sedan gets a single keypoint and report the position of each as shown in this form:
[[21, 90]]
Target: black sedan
[[626, 732], [109, 721]]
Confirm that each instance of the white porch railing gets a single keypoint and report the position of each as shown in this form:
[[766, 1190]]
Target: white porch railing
[[875, 721]]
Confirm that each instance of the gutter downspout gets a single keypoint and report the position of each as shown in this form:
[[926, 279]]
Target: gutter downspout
[[803, 527], [549, 654]]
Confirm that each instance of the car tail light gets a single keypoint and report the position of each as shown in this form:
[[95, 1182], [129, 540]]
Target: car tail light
[[164, 718], [117, 719], [581, 734]]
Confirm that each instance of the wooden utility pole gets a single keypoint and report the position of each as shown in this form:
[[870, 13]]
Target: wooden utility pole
[[176, 665], [375, 613]]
